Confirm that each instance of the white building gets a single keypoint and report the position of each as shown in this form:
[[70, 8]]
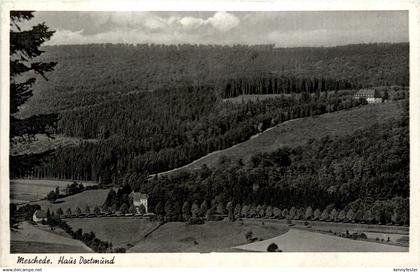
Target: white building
[[39, 216], [370, 95], [138, 200]]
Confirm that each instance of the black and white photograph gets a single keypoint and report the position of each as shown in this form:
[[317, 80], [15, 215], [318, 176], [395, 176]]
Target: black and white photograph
[[220, 131]]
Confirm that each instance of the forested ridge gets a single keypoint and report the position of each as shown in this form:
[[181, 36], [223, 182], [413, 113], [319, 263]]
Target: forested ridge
[[155, 132], [363, 176], [95, 73]]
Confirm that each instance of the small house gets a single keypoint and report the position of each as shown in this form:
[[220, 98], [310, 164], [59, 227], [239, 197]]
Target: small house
[[39, 216], [371, 95], [138, 200]]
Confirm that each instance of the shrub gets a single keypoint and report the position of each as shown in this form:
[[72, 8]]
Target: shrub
[[195, 221], [362, 236], [272, 248], [249, 235], [52, 196]]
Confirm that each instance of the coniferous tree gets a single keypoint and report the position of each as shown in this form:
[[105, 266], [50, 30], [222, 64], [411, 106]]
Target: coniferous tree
[[24, 48]]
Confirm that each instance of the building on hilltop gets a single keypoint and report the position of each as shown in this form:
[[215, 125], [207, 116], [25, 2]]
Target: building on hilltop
[[371, 95], [138, 200]]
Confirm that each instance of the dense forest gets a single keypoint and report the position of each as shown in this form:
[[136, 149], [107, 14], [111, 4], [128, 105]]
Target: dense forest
[[151, 108], [363, 175], [159, 131], [283, 84], [95, 73]]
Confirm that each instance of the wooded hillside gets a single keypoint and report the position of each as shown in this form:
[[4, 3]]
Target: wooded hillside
[[93, 74]]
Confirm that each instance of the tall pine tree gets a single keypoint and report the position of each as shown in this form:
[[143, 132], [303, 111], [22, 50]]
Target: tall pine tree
[[24, 49]]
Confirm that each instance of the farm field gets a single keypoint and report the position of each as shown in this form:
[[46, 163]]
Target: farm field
[[25, 190], [33, 239], [118, 230], [90, 198], [298, 131], [397, 234], [342, 227], [304, 241], [209, 237]]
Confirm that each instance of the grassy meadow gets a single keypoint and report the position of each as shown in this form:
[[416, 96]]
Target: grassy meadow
[[298, 131], [89, 198], [121, 231], [296, 240], [30, 238], [25, 190], [217, 236]]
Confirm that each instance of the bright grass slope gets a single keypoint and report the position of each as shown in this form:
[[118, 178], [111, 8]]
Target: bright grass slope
[[37, 239], [298, 131]]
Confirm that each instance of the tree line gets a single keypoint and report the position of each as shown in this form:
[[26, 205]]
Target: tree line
[[284, 84]]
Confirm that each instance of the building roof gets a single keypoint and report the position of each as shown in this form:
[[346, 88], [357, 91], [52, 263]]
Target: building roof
[[40, 214], [366, 92], [137, 196]]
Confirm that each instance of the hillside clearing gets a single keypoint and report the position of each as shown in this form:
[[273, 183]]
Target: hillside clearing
[[304, 241], [43, 143], [119, 231], [298, 131], [209, 237], [25, 190], [33, 239], [89, 198]]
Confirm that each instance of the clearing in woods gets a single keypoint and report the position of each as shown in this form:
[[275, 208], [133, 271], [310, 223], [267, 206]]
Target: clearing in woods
[[305, 241], [212, 236], [37, 239], [26, 190], [298, 131], [121, 231], [91, 198]]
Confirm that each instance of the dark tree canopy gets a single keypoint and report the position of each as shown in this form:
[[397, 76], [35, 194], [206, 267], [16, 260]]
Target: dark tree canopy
[[24, 49], [24, 66]]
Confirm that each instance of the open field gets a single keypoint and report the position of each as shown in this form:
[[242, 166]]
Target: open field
[[33, 239], [43, 143], [304, 241], [90, 198], [298, 131], [25, 190], [209, 237], [244, 98], [341, 227], [118, 230], [397, 234], [254, 97]]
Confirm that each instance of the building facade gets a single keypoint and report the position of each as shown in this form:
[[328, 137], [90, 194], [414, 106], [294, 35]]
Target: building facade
[[138, 200], [370, 95]]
